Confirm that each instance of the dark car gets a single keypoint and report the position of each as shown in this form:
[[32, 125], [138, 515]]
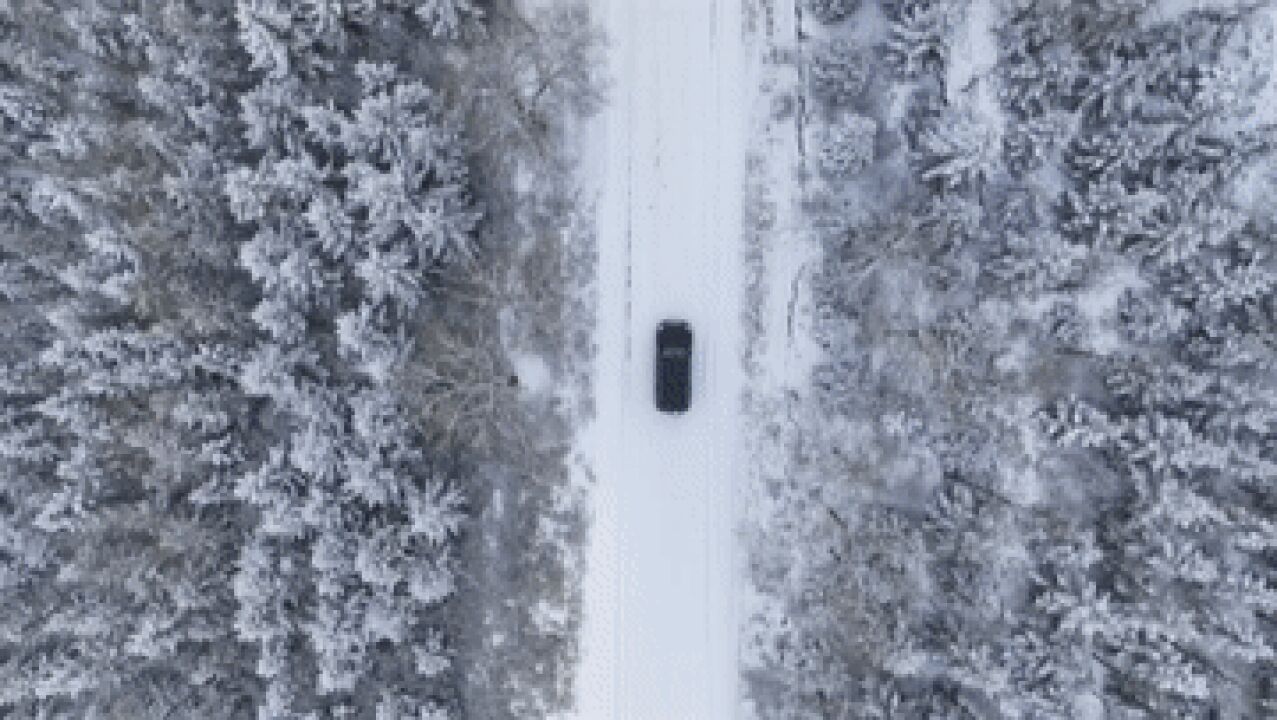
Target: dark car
[[673, 366]]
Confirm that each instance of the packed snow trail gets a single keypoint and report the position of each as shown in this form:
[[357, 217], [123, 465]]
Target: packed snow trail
[[660, 635]]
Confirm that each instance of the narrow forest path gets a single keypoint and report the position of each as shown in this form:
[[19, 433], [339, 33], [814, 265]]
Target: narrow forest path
[[661, 592]]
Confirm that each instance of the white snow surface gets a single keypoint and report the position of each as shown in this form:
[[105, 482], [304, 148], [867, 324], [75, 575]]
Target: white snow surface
[[661, 593]]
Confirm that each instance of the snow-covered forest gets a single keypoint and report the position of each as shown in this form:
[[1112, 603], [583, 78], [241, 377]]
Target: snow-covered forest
[[1033, 472], [289, 356], [325, 359]]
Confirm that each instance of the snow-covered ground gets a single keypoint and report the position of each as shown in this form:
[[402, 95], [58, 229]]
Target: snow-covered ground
[[661, 591]]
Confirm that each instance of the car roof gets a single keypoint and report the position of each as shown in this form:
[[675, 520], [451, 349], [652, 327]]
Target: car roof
[[674, 330]]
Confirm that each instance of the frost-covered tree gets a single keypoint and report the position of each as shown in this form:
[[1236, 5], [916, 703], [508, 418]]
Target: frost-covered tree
[[958, 152], [848, 146], [838, 72], [832, 11], [447, 18], [406, 176], [918, 39]]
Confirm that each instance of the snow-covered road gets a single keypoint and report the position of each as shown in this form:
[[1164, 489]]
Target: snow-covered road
[[660, 635]]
